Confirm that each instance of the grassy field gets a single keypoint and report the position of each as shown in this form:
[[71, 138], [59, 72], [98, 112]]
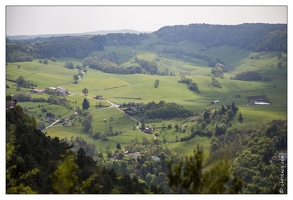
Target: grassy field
[[139, 88]]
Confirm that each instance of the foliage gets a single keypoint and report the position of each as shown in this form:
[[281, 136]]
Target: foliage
[[69, 65], [85, 91], [75, 77], [64, 177], [216, 83], [85, 104], [253, 162], [23, 83], [156, 84], [248, 76], [191, 85], [148, 66], [37, 163], [190, 176], [164, 110], [115, 39], [181, 54], [217, 72], [258, 37], [22, 96], [87, 123]]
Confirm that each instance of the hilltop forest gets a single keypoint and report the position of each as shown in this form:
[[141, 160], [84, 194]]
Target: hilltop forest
[[187, 109]]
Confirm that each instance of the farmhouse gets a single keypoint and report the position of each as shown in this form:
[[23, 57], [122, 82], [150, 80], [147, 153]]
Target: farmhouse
[[148, 129], [66, 123], [50, 119], [258, 100], [99, 97], [61, 91], [36, 91]]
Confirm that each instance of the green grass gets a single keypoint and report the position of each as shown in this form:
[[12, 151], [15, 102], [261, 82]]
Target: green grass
[[188, 147], [254, 116], [139, 88], [45, 76]]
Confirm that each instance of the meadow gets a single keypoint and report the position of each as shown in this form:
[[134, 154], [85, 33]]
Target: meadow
[[139, 88]]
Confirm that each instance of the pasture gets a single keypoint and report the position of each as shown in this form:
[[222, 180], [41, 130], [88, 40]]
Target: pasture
[[139, 88]]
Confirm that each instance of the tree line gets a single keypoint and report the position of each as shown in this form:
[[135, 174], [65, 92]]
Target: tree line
[[256, 37], [66, 46], [163, 110]]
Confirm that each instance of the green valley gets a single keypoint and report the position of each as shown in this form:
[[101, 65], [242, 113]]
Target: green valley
[[136, 83]]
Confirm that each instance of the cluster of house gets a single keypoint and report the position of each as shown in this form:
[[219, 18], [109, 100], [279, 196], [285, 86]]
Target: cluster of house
[[50, 119], [59, 90], [148, 129], [36, 91], [133, 108]]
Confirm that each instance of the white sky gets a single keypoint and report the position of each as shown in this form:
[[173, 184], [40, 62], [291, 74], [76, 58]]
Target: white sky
[[33, 20]]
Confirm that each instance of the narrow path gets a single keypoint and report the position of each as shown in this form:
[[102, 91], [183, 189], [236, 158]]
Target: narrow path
[[113, 105], [56, 121]]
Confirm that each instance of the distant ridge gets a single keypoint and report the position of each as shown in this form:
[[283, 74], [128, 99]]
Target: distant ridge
[[102, 32]]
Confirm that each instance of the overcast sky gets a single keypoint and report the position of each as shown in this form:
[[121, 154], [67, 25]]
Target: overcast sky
[[33, 20]]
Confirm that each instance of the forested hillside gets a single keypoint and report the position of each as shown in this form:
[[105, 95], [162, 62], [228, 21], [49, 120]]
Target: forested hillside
[[37, 163], [256, 37]]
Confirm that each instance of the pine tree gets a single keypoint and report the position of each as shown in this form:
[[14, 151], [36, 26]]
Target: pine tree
[[240, 118], [85, 104]]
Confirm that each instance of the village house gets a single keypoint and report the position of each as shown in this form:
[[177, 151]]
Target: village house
[[66, 123], [99, 97], [50, 119], [36, 91], [61, 91], [148, 129], [76, 111]]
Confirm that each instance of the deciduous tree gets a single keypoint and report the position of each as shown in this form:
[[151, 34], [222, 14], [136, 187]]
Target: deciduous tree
[[85, 91]]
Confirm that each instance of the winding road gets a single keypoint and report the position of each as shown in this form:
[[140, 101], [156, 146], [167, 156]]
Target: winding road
[[112, 105]]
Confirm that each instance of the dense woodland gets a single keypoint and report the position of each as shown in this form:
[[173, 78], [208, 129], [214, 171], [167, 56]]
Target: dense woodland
[[257, 37]]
